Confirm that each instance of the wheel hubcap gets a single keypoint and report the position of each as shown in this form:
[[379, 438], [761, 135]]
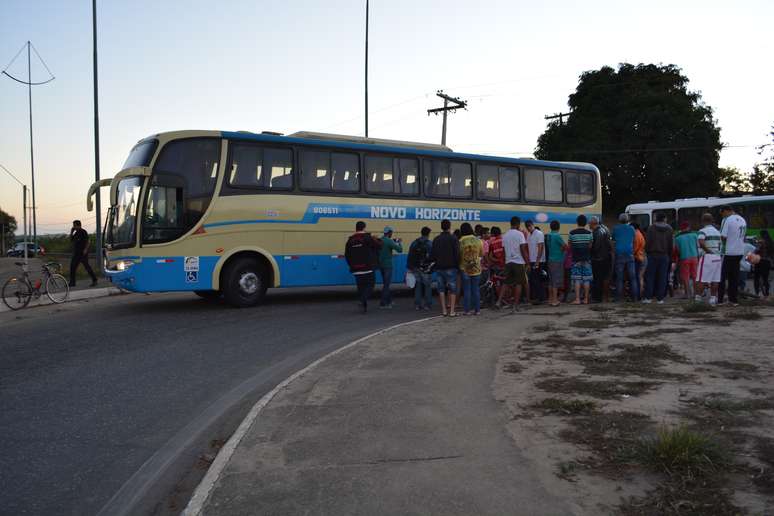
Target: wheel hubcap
[[248, 283]]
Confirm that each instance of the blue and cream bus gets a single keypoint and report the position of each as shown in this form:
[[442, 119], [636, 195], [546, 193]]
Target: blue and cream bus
[[234, 213]]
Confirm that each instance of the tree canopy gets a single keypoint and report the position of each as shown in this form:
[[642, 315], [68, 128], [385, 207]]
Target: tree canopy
[[651, 138], [8, 226]]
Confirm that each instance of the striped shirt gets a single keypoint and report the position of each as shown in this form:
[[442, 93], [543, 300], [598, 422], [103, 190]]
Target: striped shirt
[[711, 237], [580, 243]]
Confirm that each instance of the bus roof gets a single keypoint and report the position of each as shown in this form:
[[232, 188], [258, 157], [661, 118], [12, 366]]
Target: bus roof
[[697, 202], [397, 147]]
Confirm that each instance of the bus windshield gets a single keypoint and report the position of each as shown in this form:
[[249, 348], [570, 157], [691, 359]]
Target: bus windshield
[[124, 214], [141, 154]]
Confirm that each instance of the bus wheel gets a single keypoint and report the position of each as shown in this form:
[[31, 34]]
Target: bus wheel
[[209, 295], [244, 282]]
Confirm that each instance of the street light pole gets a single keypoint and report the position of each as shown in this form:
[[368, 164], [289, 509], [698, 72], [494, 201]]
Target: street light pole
[[366, 72], [32, 153], [98, 231]]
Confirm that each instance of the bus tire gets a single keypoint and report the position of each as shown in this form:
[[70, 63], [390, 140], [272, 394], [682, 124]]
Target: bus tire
[[244, 282], [209, 295]]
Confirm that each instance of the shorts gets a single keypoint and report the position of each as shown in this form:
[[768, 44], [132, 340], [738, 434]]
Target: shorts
[[515, 274], [709, 268], [447, 280], [581, 273], [556, 274], [688, 269]]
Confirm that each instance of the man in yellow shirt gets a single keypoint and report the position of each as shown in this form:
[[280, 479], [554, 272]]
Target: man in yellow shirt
[[471, 252]]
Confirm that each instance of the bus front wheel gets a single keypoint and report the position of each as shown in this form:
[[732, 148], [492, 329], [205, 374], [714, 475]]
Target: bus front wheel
[[209, 295], [244, 282]]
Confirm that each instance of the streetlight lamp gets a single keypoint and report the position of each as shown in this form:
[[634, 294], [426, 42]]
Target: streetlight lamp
[[24, 208]]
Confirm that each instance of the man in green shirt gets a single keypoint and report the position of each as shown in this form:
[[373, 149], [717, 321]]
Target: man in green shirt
[[385, 265]]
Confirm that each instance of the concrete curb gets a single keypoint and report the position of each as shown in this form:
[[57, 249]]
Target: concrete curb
[[77, 295], [202, 492]]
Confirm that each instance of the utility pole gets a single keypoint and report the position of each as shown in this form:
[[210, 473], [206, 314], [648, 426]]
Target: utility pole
[[98, 230], [560, 116], [24, 208], [456, 104], [30, 84], [366, 73]]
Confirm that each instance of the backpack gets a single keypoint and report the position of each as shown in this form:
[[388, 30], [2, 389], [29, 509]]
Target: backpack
[[418, 256], [360, 253]]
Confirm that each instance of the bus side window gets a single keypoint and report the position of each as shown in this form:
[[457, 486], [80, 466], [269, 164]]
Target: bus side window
[[346, 172], [670, 216], [542, 185], [315, 171]]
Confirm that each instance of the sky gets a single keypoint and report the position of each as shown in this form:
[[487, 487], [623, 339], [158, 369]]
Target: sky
[[298, 65]]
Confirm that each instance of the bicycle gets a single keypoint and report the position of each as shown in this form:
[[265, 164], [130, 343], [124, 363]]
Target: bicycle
[[18, 292]]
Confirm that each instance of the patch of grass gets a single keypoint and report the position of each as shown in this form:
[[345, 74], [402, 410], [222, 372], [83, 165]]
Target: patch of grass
[[734, 366], [513, 367], [649, 334], [683, 499], [645, 361], [695, 308], [592, 324], [595, 389], [566, 407], [744, 314], [719, 410], [612, 436], [556, 340], [682, 452]]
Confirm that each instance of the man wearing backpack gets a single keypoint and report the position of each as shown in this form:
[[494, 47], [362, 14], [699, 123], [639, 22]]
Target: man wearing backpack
[[420, 265], [362, 254]]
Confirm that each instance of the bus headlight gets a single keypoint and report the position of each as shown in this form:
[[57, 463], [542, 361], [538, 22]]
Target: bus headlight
[[123, 265]]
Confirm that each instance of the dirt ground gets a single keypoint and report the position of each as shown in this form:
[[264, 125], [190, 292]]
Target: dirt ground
[[645, 409]]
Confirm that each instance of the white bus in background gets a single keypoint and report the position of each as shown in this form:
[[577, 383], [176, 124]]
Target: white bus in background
[[757, 210]]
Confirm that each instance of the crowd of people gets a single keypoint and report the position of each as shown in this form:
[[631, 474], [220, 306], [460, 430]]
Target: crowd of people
[[529, 266]]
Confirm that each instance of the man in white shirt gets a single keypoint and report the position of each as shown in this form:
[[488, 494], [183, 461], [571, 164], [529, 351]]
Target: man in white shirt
[[732, 233], [710, 259], [516, 258], [536, 243]]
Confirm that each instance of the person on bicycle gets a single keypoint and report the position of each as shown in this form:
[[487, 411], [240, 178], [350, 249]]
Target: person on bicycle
[[80, 239]]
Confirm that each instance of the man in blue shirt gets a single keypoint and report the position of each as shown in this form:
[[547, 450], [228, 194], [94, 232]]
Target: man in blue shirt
[[623, 237]]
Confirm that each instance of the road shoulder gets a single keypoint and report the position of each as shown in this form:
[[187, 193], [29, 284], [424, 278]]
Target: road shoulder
[[403, 422]]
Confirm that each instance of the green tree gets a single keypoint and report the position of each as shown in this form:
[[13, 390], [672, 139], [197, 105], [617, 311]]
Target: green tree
[[734, 181], [762, 177], [8, 227], [651, 138]]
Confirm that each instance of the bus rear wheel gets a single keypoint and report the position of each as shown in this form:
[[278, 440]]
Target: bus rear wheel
[[244, 282]]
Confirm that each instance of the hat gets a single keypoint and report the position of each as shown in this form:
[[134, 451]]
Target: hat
[[685, 225], [387, 229]]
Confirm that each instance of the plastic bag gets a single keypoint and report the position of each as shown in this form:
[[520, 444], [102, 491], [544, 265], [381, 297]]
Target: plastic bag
[[411, 280]]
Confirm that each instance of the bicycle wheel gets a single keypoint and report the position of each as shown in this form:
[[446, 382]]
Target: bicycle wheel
[[16, 293], [57, 288]]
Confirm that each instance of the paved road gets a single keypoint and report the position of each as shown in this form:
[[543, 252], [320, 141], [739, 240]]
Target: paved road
[[97, 394]]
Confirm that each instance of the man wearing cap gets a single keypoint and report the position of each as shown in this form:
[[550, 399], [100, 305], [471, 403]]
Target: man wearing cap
[[385, 264], [688, 257]]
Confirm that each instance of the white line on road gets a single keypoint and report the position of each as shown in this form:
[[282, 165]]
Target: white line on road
[[203, 490]]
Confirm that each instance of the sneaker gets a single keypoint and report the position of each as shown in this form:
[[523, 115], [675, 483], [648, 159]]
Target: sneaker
[[697, 299], [660, 302], [713, 301], [646, 301], [418, 308], [426, 309]]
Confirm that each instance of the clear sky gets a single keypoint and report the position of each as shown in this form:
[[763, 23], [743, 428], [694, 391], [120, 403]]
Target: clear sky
[[298, 65]]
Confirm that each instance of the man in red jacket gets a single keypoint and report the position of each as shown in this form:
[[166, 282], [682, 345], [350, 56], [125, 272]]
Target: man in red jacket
[[362, 254]]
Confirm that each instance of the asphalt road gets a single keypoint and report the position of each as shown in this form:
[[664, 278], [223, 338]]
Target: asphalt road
[[109, 404]]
